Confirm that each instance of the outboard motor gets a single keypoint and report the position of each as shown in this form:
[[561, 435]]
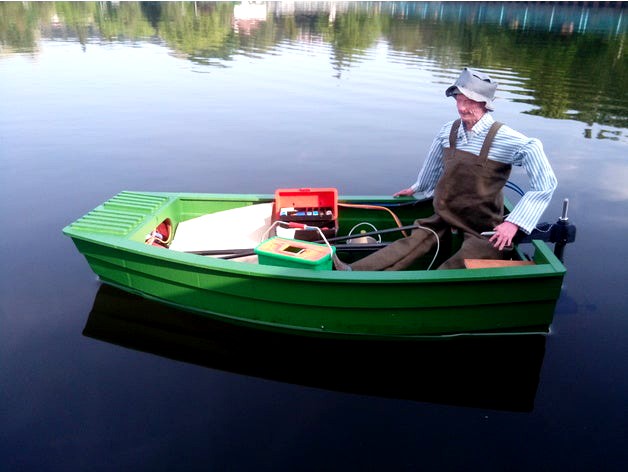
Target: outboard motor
[[560, 233]]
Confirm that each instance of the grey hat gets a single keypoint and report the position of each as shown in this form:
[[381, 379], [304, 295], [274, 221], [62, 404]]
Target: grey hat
[[474, 85]]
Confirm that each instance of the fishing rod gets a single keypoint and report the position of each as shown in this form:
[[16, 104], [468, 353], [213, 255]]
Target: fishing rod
[[241, 252]]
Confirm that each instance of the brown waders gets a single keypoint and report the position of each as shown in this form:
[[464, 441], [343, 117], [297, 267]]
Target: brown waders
[[468, 197]]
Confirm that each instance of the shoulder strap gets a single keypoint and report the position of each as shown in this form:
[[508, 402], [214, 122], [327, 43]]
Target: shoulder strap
[[453, 134], [489, 140]]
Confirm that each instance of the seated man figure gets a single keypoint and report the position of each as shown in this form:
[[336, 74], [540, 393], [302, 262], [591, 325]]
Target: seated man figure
[[466, 168]]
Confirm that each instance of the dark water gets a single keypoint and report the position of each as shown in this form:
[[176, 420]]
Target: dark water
[[96, 98]]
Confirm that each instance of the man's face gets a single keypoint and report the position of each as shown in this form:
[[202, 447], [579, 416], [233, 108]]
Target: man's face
[[469, 110]]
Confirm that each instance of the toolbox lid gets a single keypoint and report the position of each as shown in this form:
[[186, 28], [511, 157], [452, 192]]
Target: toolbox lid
[[306, 198]]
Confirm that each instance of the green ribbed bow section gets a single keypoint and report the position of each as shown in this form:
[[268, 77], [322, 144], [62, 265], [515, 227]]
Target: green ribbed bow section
[[119, 215]]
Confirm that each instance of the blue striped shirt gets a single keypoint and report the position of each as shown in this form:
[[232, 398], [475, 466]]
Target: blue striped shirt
[[510, 147]]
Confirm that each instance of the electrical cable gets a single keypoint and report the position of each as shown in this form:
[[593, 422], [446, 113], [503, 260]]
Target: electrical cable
[[375, 207], [515, 187], [302, 226], [379, 236], [437, 244]]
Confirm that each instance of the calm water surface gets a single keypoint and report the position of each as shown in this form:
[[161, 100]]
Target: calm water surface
[[96, 98]]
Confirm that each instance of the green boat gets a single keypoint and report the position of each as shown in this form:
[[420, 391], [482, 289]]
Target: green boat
[[207, 263]]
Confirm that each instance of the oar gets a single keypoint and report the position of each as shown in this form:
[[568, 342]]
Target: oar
[[233, 253], [222, 252], [341, 247], [372, 233]]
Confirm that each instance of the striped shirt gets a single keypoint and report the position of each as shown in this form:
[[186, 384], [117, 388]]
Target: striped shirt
[[510, 147]]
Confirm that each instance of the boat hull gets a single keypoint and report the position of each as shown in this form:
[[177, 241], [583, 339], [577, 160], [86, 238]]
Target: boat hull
[[384, 305]]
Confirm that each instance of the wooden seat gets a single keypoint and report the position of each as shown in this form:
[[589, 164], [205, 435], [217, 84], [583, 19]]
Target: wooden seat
[[491, 263]]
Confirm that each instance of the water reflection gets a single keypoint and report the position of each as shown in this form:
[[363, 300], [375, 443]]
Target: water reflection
[[570, 58], [500, 373]]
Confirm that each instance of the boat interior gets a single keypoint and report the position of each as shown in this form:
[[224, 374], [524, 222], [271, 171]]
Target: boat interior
[[303, 220]]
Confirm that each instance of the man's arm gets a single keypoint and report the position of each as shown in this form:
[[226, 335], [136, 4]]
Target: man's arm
[[528, 211], [431, 170]]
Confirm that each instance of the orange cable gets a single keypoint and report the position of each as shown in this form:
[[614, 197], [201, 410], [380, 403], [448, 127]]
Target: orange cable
[[375, 207]]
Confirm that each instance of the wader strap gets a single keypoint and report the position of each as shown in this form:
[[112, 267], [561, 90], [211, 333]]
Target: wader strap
[[489, 140], [453, 134]]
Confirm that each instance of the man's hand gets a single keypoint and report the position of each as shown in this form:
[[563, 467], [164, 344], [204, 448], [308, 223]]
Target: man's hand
[[503, 234], [406, 192]]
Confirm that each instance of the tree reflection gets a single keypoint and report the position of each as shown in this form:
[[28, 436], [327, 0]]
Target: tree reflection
[[572, 60]]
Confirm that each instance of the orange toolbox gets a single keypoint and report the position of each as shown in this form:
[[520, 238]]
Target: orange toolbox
[[310, 206]]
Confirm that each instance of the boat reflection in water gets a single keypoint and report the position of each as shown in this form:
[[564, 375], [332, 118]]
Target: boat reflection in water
[[495, 372]]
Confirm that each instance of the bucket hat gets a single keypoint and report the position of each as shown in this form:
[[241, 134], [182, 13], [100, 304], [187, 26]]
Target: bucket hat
[[474, 85]]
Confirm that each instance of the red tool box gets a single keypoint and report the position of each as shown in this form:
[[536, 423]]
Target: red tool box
[[309, 206]]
